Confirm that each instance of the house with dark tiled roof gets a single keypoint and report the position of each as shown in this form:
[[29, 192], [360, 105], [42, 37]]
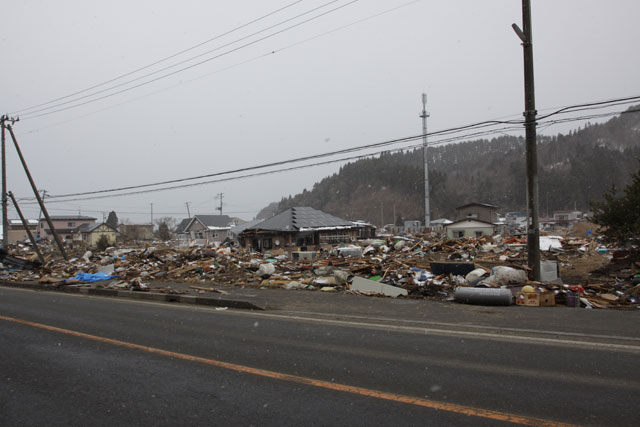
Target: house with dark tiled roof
[[302, 228]]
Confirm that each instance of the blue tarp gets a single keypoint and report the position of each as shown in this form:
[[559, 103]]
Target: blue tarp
[[93, 277]]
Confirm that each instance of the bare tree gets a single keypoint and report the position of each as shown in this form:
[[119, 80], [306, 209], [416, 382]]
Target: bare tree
[[166, 227]]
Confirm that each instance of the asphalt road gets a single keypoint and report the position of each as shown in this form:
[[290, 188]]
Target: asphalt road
[[76, 360]]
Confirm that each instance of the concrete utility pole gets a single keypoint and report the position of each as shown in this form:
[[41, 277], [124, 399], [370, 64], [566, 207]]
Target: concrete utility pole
[[533, 231], [219, 196], [5, 218], [188, 213], [424, 115], [5, 201]]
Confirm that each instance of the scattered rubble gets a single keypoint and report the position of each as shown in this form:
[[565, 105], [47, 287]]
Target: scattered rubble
[[576, 272]]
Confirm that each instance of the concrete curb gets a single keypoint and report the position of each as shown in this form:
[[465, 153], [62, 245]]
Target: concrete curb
[[147, 296]]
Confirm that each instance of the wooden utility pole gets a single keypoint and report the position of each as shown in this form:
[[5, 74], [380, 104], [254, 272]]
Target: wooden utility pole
[[533, 231], [37, 194]]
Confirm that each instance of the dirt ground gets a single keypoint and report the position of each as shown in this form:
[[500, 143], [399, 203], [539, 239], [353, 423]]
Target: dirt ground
[[574, 270]]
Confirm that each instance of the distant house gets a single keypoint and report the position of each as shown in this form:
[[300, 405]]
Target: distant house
[[207, 229], [480, 211], [413, 226], [302, 228], [565, 218], [17, 231], [469, 228], [181, 235], [546, 224], [66, 227], [516, 221], [91, 233], [438, 225]]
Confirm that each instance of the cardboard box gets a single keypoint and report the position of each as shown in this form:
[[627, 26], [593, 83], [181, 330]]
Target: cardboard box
[[536, 299]]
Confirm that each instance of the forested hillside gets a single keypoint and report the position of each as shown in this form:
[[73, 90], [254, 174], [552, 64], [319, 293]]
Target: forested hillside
[[573, 169]]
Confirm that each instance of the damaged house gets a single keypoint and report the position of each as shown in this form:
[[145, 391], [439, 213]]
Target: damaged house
[[205, 229], [302, 228]]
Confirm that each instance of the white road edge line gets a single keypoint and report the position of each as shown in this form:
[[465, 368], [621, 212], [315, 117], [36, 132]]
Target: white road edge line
[[449, 332], [378, 326]]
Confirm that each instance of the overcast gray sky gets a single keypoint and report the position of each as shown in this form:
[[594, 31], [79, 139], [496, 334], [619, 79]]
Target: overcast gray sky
[[304, 91]]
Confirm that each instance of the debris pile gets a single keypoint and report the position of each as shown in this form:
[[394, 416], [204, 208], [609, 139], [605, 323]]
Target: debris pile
[[486, 270]]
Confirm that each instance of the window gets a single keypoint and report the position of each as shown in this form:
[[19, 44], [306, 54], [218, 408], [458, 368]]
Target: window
[[71, 224], [479, 234], [267, 243], [304, 241], [457, 234], [335, 237]]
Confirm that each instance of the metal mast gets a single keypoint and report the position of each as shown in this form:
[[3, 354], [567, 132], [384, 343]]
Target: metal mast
[[424, 115]]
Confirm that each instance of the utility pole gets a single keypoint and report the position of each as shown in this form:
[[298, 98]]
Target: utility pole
[[533, 233], [5, 201], [5, 218], [44, 194], [151, 213], [37, 194], [219, 196], [25, 224], [188, 213], [424, 115]]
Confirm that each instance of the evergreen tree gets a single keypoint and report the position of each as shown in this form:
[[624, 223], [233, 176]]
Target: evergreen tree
[[112, 219], [620, 215], [163, 232]]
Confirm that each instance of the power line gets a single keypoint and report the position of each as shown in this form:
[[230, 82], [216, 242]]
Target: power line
[[180, 62], [255, 58], [360, 156], [29, 116], [295, 160], [163, 59], [449, 131], [95, 194], [119, 212]]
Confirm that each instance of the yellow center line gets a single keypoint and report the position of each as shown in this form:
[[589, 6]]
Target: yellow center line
[[417, 401]]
